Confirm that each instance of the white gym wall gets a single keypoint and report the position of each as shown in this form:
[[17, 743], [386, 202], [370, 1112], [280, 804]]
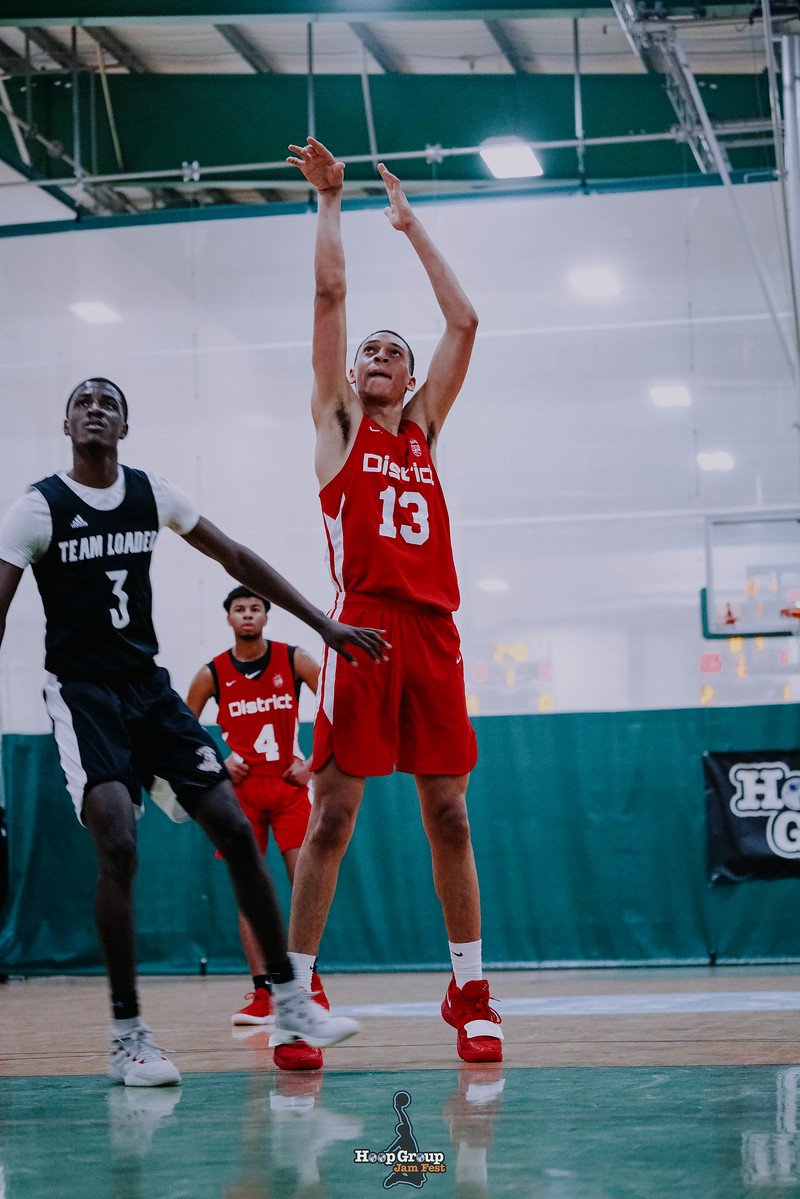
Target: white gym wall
[[572, 495]]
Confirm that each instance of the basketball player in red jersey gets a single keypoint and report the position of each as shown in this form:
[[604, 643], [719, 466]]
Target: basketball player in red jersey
[[256, 686], [391, 560]]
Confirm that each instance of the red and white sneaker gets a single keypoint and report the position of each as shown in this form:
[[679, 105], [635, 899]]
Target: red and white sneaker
[[298, 1055], [318, 991], [467, 1008], [258, 1011]]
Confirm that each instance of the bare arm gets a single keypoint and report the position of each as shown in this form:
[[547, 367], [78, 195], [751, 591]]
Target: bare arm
[[334, 407], [9, 582], [254, 572], [306, 669], [431, 404], [201, 690]]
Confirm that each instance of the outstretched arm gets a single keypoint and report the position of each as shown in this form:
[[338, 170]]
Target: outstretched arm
[[431, 404], [254, 572], [332, 400], [9, 582]]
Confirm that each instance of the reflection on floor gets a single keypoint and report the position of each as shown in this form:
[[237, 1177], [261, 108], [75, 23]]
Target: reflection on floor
[[718, 1132]]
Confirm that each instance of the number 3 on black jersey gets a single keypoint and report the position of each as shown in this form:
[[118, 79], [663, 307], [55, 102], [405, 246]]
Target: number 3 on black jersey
[[119, 616]]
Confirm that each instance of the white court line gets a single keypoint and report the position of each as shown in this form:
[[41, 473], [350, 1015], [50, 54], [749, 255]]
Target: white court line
[[604, 1005]]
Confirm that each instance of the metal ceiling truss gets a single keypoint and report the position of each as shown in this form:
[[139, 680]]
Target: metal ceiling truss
[[655, 44], [96, 12], [252, 54], [99, 197], [12, 63], [506, 44], [387, 59], [54, 49], [657, 49], [117, 49]]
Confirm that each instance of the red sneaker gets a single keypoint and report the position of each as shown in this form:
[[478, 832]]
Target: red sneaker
[[297, 1055], [467, 1009], [258, 1011], [318, 991]]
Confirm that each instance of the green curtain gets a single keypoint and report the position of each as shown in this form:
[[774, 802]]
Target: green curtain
[[589, 832]]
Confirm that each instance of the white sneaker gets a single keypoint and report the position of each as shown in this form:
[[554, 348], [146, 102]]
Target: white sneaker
[[135, 1115], [298, 1017], [138, 1062]]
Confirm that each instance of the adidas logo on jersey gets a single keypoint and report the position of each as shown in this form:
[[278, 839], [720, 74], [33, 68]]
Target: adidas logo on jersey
[[78, 522]]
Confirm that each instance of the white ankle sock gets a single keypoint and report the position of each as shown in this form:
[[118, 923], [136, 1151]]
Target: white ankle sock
[[467, 961], [303, 965], [120, 1027]]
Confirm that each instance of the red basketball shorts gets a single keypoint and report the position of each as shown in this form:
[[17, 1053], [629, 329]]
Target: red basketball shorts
[[409, 713], [272, 803]]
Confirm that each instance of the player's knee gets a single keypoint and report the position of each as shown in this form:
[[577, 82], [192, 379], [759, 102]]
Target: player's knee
[[117, 857], [331, 830], [234, 837], [450, 826]]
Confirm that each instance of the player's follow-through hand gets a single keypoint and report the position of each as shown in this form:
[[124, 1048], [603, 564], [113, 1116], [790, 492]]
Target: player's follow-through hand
[[337, 636], [399, 213], [318, 165]]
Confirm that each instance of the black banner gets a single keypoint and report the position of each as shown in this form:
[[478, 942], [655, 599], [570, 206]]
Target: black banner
[[753, 815]]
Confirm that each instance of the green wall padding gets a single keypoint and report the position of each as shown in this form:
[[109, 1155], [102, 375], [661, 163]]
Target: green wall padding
[[589, 833]]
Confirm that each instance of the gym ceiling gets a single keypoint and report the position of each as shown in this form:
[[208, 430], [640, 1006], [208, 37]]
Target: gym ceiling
[[132, 108]]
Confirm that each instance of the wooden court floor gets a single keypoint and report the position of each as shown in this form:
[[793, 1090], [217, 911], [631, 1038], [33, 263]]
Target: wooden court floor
[[728, 1016]]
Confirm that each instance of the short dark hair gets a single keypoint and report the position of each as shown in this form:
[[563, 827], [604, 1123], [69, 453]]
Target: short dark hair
[[106, 383], [399, 337], [244, 593]]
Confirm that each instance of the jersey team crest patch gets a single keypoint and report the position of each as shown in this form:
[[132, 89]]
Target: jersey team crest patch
[[208, 760], [416, 448], [277, 680]]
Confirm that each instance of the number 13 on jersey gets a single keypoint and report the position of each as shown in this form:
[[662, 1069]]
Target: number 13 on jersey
[[417, 507]]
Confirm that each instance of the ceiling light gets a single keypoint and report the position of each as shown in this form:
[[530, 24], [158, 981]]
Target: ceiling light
[[95, 312], [594, 282], [510, 158], [494, 585], [670, 395], [718, 460]]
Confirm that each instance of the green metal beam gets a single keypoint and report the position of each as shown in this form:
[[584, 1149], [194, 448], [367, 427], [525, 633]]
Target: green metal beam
[[215, 12], [165, 120]]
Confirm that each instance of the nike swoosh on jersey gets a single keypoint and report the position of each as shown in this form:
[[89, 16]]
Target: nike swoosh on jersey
[[230, 684]]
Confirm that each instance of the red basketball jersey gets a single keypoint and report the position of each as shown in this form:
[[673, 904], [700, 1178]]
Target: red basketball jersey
[[386, 521], [258, 716]]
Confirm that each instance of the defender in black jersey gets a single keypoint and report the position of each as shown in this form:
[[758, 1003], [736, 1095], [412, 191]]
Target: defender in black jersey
[[89, 536]]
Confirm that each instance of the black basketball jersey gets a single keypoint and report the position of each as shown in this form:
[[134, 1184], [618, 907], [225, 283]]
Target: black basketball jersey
[[94, 582]]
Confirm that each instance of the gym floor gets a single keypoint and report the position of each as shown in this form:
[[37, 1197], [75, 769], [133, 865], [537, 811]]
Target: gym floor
[[617, 1083]]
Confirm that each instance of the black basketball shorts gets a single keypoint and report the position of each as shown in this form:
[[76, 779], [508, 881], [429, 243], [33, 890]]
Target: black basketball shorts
[[133, 732]]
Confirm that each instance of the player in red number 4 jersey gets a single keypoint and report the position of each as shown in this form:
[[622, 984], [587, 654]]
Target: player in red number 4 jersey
[[256, 686], [392, 562]]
